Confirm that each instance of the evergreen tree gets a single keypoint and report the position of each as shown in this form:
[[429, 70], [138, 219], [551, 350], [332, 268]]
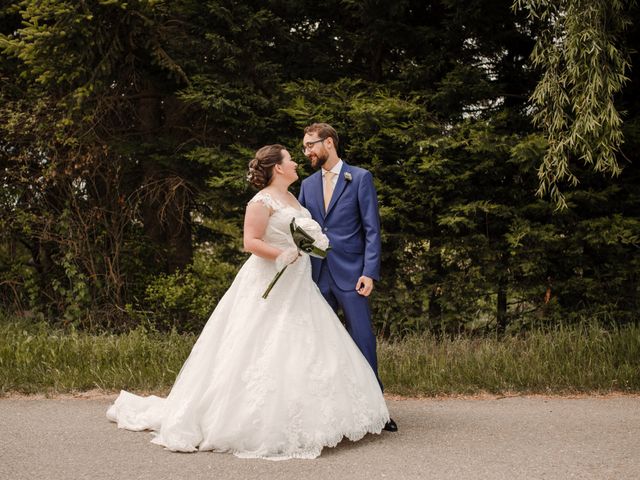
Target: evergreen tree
[[126, 128]]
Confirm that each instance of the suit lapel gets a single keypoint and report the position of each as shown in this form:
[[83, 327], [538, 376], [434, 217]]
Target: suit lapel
[[340, 186], [318, 193]]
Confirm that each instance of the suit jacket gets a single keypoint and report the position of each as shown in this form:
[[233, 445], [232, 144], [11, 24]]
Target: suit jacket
[[352, 223]]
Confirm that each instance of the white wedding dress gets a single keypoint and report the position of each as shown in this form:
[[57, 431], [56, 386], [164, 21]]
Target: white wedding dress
[[273, 378]]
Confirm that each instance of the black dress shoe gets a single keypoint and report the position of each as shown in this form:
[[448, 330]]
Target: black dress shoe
[[390, 426]]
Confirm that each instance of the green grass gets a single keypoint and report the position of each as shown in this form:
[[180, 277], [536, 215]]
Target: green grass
[[37, 359], [587, 358], [573, 359]]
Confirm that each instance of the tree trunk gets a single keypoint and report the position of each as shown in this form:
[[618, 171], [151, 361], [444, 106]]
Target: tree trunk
[[501, 313], [435, 309], [167, 200]]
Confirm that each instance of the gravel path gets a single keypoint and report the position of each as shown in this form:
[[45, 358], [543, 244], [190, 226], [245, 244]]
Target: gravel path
[[470, 438]]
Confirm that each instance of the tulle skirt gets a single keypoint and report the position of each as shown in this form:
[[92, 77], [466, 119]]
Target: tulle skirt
[[273, 378]]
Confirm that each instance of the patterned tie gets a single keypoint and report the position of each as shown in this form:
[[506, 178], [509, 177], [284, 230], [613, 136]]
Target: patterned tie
[[328, 188]]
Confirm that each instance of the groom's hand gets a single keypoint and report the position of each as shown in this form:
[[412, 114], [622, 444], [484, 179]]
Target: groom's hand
[[364, 286]]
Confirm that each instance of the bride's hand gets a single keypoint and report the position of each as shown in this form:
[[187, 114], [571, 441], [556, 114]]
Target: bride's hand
[[287, 256]]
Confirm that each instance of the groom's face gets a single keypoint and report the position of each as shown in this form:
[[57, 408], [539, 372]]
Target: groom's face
[[315, 150]]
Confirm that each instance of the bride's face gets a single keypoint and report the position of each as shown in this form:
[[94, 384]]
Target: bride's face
[[288, 167]]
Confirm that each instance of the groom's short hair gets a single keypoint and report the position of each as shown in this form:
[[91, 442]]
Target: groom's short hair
[[324, 130]]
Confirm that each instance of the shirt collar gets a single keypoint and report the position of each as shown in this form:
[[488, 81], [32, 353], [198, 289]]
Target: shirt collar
[[336, 168]]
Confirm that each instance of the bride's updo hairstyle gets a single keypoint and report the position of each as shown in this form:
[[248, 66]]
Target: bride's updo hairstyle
[[261, 167]]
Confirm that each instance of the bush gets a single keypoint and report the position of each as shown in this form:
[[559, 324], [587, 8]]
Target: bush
[[185, 299]]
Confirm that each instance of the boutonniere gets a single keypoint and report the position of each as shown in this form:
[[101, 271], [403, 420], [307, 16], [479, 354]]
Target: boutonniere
[[347, 176]]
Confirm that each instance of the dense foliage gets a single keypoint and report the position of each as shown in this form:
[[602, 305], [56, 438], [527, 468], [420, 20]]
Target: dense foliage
[[126, 128]]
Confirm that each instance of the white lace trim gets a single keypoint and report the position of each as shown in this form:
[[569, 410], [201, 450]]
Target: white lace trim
[[267, 200], [314, 450]]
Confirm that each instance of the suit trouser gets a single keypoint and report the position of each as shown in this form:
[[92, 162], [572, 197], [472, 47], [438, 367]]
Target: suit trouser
[[357, 315]]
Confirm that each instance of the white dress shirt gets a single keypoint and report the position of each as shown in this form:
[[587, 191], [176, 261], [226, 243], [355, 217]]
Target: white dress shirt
[[336, 169]]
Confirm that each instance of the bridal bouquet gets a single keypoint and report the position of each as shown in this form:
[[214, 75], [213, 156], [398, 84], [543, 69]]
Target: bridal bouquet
[[308, 237]]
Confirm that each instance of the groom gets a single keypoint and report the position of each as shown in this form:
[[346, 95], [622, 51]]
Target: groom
[[343, 200]]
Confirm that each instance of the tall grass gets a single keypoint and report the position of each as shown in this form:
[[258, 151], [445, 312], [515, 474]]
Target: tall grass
[[37, 359], [586, 358], [583, 358]]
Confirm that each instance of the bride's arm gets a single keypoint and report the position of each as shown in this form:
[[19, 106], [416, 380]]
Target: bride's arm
[[256, 218]]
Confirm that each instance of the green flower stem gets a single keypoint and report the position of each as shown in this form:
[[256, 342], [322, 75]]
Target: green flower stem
[[273, 282]]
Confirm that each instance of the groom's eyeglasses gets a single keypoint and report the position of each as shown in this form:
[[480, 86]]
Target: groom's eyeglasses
[[309, 145]]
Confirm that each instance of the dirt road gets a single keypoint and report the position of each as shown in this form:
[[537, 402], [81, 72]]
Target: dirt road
[[485, 438]]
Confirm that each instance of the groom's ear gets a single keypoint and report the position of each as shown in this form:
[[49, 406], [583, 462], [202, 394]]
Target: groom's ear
[[329, 140]]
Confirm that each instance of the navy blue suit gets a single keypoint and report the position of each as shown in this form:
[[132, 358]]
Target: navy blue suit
[[352, 223]]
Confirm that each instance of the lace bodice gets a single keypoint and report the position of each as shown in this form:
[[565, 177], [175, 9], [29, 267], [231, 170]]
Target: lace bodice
[[277, 232]]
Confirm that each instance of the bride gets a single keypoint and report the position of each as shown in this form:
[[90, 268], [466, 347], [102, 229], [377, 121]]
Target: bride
[[272, 378]]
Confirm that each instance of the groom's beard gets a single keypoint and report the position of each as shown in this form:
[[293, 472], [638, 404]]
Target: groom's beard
[[318, 161]]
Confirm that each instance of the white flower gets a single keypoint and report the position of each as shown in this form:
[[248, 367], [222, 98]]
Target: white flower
[[312, 228], [347, 176], [304, 231]]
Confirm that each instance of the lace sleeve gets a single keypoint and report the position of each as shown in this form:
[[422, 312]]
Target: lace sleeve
[[265, 199]]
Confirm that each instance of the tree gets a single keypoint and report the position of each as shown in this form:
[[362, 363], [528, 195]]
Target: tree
[[126, 129], [583, 67], [112, 107]]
